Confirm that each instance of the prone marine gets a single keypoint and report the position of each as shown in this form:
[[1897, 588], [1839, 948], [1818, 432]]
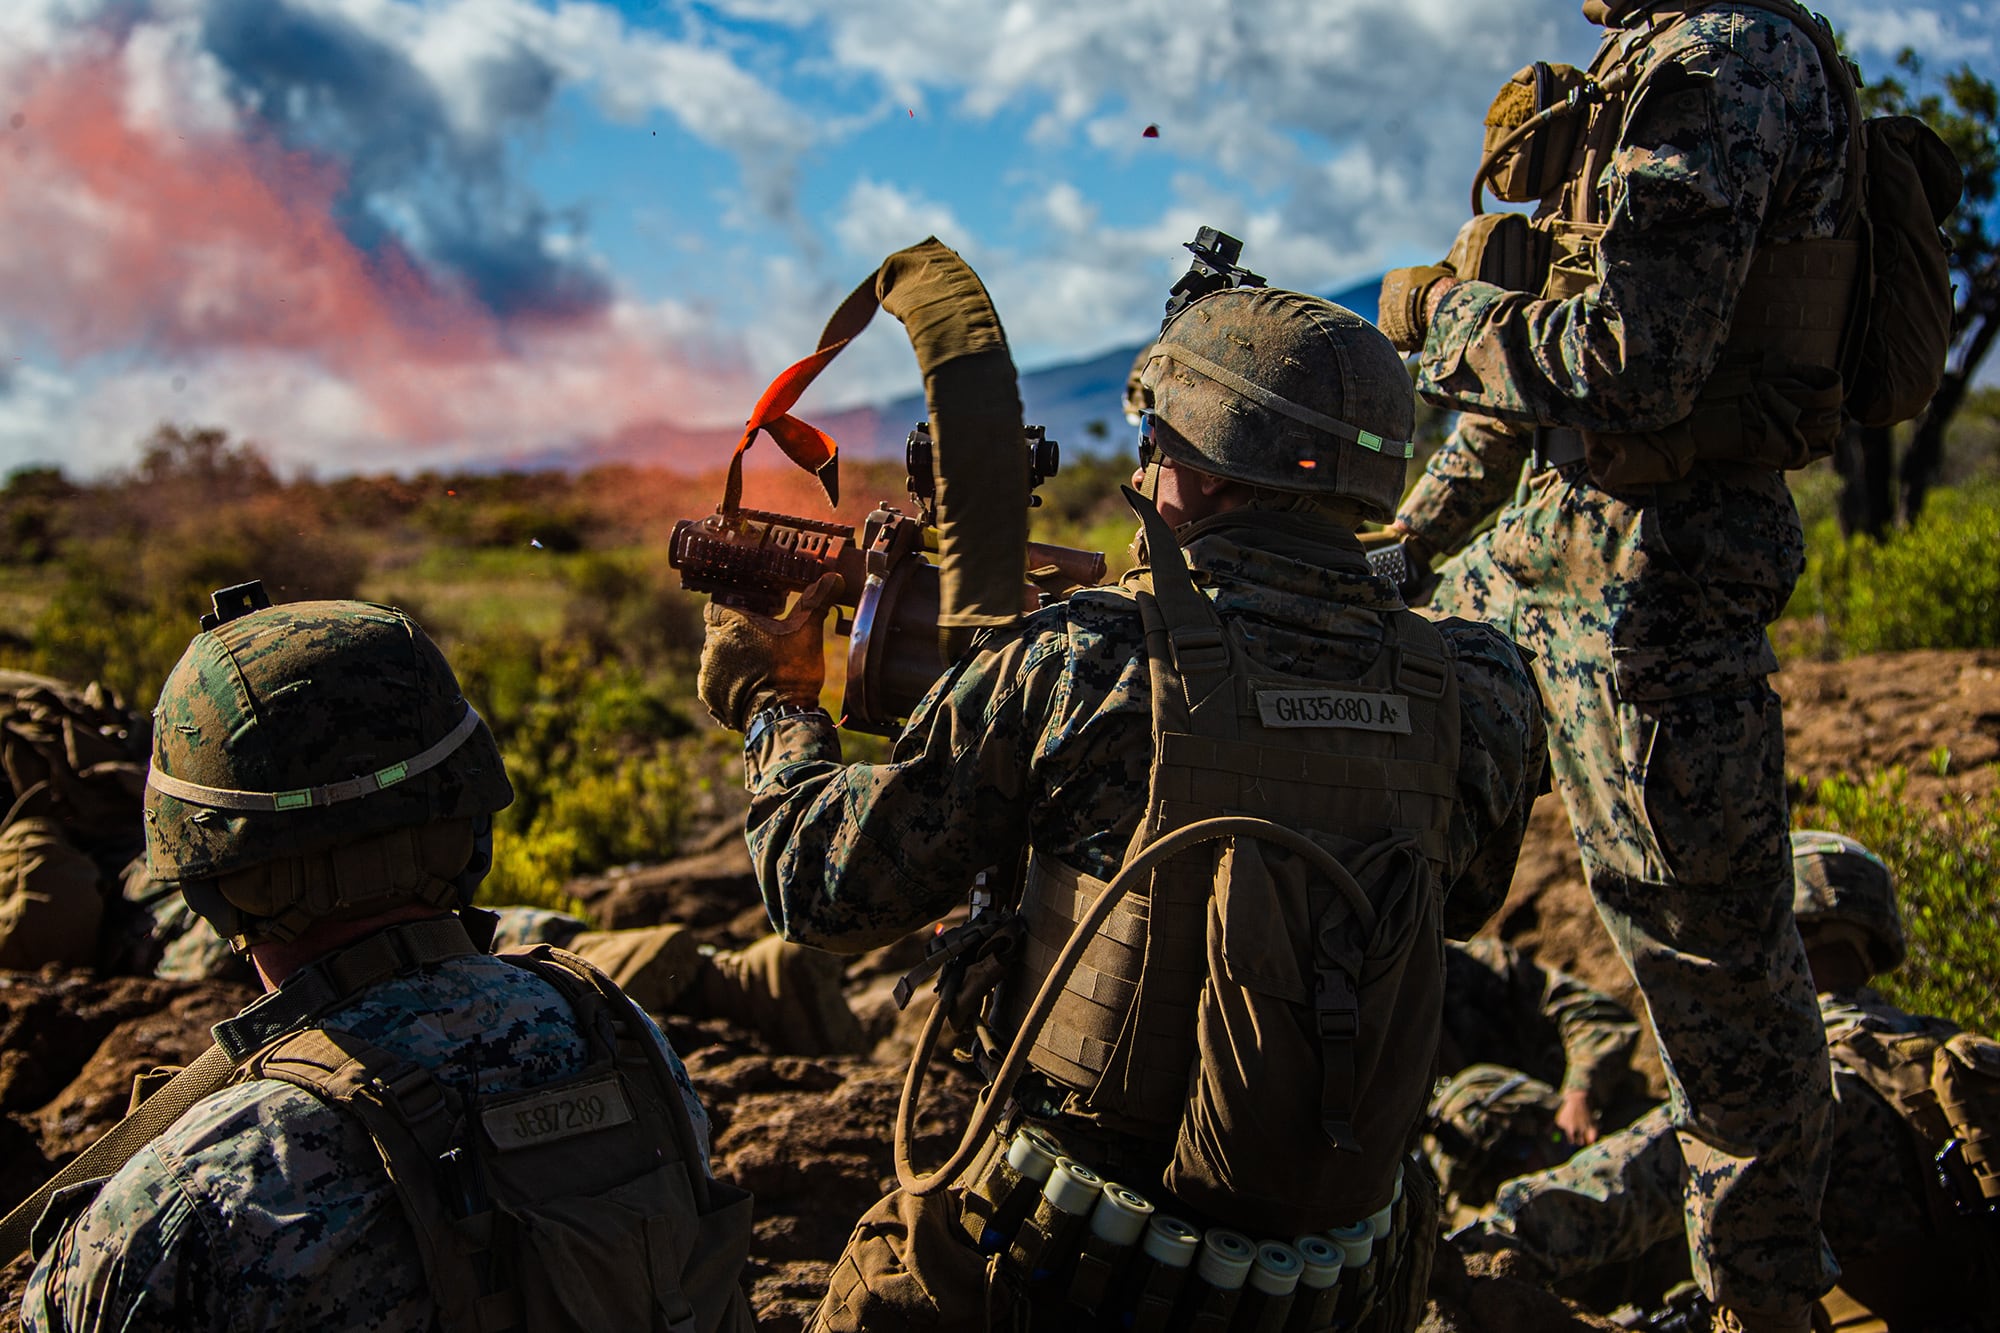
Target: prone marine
[[1912, 1194]]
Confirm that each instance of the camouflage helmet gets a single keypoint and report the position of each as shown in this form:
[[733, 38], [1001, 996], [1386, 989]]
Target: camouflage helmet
[[1284, 390], [1488, 1124], [1837, 881], [292, 746]]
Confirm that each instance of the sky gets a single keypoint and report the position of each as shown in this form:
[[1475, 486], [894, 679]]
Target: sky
[[374, 234]]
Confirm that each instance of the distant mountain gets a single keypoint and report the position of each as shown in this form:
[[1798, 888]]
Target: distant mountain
[[1077, 402]]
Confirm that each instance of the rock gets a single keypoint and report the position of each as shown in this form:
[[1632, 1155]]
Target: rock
[[101, 1092], [49, 1027]]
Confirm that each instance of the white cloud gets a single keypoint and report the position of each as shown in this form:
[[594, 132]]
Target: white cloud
[[1942, 34], [1262, 93], [878, 218], [484, 58]]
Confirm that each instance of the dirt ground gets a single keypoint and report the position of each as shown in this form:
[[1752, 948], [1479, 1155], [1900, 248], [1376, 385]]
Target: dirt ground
[[810, 1137]]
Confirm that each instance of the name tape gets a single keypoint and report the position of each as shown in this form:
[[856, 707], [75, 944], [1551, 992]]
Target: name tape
[[557, 1114], [1335, 708]]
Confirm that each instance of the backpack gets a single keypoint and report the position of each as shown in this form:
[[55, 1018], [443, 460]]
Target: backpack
[[78, 757], [1265, 1001], [1903, 182], [72, 770], [576, 1205], [1945, 1085]]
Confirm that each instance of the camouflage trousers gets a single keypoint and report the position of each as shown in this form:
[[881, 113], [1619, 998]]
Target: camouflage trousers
[[1607, 1205], [1647, 613]]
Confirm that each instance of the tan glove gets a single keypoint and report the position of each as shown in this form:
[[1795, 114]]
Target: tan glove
[[1405, 305], [751, 662]]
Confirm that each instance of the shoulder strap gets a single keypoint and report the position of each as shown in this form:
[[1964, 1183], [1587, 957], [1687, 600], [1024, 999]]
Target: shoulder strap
[[606, 1014], [208, 1074], [417, 1124], [1188, 629], [313, 991]]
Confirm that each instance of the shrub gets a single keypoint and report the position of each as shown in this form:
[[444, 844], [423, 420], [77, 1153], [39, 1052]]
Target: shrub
[[604, 766], [126, 605], [1947, 867], [1933, 585]]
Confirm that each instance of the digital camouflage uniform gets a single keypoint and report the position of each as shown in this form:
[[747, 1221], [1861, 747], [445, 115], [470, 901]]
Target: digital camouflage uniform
[[1647, 609], [1616, 1199], [265, 1208], [1043, 737], [347, 1154]]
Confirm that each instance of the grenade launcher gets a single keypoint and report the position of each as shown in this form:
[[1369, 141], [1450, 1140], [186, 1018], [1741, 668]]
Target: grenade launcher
[[890, 591]]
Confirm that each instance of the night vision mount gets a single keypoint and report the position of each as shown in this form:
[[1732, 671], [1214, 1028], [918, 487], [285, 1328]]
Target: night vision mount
[[1214, 270]]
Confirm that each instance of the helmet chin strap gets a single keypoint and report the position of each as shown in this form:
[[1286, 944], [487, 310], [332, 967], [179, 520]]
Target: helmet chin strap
[[1149, 481]]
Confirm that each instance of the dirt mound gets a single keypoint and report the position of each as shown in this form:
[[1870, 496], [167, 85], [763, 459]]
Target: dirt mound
[[810, 1137]]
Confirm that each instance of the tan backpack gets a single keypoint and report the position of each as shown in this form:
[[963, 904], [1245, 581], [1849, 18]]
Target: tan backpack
[[76, 756], [579, 1205], [1260, 985], [1945, 1084], [1902, 183], [1860, 324], [72, 768]]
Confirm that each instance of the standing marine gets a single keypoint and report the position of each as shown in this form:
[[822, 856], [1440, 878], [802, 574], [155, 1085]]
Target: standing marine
[[1239, 799], [405, 1131], [1663, 341]]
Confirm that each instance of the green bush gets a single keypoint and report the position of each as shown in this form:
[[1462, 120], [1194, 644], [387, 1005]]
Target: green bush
[[125, 605], [605, 765], [1947, 867], [1933, 585]]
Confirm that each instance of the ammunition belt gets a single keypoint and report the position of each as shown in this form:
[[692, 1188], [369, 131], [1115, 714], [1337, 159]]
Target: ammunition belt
[[1081, 1250]]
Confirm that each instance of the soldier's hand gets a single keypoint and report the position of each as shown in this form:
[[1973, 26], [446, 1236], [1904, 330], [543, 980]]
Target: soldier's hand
[[751, 662], [1406, 306], [1576, 1119], [1419, 582]]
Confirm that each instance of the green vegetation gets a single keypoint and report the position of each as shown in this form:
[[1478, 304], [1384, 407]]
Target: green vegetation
[[1935, 584], [1947, 867], [548, 592]]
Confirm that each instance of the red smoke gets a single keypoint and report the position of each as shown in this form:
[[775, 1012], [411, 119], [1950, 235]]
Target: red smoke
[[117, 237]]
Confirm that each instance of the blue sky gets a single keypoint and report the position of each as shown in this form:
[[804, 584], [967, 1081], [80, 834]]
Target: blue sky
[[401, 233]]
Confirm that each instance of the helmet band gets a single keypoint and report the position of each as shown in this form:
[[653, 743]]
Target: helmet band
[[1285, 407], [306, 798]]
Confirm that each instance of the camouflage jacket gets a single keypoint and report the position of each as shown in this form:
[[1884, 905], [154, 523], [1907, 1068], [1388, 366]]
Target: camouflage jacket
[[1502, 1008], [1732, 139], [264, 1208], [1042, 736]]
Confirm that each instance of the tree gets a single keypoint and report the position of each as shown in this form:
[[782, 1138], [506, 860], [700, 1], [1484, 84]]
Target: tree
[[1964, 109]]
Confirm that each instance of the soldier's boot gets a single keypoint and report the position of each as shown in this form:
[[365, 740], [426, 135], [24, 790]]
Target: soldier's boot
[[789, 994]]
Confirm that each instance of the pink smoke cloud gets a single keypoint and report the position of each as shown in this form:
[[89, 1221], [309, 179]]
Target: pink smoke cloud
[[193, 246]]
